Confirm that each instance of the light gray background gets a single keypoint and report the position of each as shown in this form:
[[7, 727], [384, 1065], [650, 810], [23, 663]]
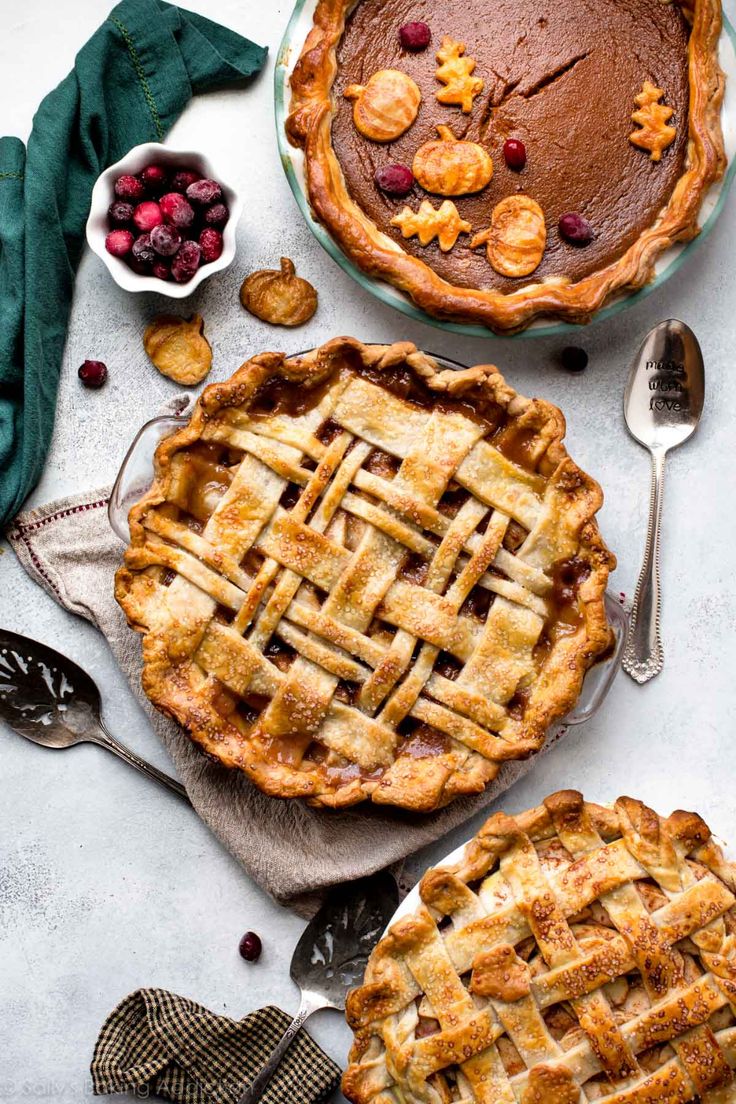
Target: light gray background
[[106, 883]]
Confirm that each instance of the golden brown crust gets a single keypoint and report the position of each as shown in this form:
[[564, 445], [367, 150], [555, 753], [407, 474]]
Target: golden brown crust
[[174, 680], [599, 954], [309, 126]]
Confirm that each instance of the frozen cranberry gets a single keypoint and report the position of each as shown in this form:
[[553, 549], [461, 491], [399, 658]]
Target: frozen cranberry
[[128, 187], [574, 359], [204, 192], [142, 250], [165, 239], [576, 229], [250, 947], [177, 210], [93, 373], [216, 215], [395, 180], [186, 262], [181, 180], [514, 153], [210, 242], [161, 269], [154, 178], [147, 215], [415, 36], [119, 242], [119, 213]]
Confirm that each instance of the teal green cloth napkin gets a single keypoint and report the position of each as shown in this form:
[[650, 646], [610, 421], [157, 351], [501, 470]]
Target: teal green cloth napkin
[[129, 84]]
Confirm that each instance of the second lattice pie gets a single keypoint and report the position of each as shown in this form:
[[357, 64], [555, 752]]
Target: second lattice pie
[[360, 577]]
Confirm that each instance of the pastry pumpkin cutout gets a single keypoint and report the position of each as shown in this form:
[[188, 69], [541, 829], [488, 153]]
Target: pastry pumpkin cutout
[[449, 167], [386, 106], [444, 224], [652, 117], [455, 72], [516, 238]]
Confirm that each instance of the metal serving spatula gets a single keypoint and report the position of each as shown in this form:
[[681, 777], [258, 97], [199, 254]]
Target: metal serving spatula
[[331, 956], [662, 406], [50, 700]]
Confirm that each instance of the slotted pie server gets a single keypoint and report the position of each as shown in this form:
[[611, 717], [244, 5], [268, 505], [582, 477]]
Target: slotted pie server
[[50, 700]]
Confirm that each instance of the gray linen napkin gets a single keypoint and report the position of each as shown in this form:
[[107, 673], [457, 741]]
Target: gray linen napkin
[[289, 848]]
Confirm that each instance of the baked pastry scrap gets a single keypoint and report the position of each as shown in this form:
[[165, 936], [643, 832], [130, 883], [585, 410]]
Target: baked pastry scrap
[[360, 577], [574, 953], [603, 114]]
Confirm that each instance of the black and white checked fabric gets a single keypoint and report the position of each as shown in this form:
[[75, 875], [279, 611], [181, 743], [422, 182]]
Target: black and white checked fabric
[[172, 1047]]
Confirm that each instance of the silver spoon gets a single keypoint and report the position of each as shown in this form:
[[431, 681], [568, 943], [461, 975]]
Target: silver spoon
[[50, 700], [662, 406], [331, 956]]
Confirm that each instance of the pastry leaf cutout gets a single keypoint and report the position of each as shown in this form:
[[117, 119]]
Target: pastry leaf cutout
[[444, 224], [652, 117], [454, 71]]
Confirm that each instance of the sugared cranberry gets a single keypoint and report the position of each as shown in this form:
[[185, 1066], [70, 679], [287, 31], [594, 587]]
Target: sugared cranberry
[[576, 229], [177, 210], [147, 215], [181, 180], [216, 215], [204, 192], [154, 178], [250, 947], [93, 373], [161, 269], [128, 187], [186, 262], [210, 242], [119, 212], [119, 242], [395, 180], [142, 250], [574, 359], [514, 153], [165, 239], [415, 36]]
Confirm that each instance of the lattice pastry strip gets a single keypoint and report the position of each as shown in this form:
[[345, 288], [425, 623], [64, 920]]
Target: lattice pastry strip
[[363, 577], [523, 976]]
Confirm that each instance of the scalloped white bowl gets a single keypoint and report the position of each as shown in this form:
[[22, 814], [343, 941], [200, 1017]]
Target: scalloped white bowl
[[103, 195]]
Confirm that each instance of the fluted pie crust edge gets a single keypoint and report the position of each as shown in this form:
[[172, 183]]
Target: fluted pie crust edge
[[309, 126]]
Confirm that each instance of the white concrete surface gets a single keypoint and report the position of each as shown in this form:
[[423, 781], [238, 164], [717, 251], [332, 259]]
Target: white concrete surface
[[106, 883]]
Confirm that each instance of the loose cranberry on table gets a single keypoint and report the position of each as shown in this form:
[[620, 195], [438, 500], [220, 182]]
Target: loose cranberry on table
[[119, 242], [395, 180], [574, 359], [576, 229], [250, 947], [129, 187], [147, 215], [92, 373], [210, 242], [514, 153], [415, 36]]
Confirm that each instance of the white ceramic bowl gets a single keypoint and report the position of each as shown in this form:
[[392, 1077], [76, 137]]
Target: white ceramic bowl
[[103, 195]]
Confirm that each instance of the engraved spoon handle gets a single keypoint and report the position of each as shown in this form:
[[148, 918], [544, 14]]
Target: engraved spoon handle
[[255, 1090], [643, 657], [104, 739]]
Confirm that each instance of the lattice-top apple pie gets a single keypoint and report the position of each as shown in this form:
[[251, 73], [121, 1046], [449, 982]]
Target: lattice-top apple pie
[[573, 953], [359, 576]]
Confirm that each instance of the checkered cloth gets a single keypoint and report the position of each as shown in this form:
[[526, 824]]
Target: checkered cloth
[[167, 1045]]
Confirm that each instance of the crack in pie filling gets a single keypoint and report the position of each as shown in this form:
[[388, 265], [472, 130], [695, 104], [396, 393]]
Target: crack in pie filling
[[615, 103], [360, 577], [573, 953]]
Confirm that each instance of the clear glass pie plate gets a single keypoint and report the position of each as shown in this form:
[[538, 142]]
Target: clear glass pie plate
[[136, 476], [667, 264]]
